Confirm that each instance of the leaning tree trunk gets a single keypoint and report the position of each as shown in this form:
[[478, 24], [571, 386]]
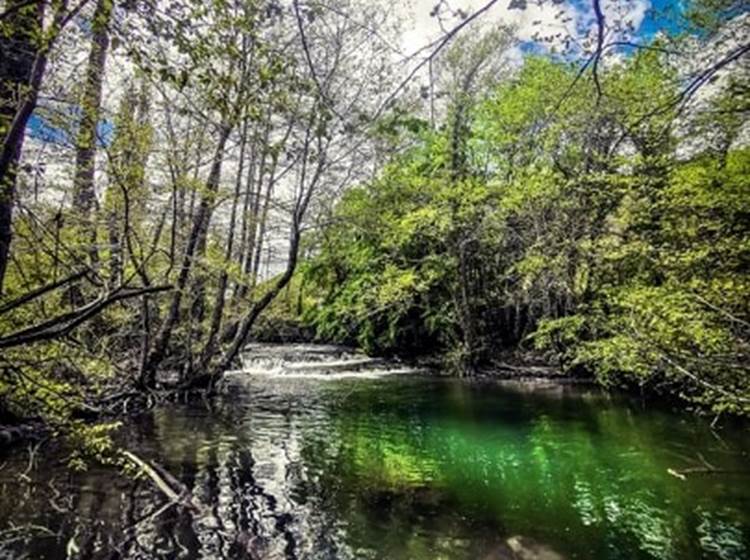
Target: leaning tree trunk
[[211, 372], [84, 194], [22, 65], [200, 225], [200, 276], [217, 313]]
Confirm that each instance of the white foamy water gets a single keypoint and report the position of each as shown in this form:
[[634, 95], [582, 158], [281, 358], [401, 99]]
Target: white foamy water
[[315, 361]]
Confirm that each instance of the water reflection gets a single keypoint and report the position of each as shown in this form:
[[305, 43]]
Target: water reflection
[[396, 468]]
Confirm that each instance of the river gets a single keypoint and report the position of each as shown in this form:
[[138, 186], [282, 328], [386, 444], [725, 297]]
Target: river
[[370, 460]]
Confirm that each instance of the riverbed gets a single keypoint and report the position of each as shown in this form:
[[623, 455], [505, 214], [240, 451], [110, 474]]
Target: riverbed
[[295, 460]]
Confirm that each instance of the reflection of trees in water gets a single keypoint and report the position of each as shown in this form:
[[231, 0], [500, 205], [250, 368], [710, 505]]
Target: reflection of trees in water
[[593, 472], [366, 473], [255, 486]]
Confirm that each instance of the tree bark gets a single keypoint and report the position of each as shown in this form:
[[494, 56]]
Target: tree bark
[[211, 373], [209, 376], [221, 290], [261, 226], [252, 230], [84, 193], [22, 66], [198, 306], [200, 224]]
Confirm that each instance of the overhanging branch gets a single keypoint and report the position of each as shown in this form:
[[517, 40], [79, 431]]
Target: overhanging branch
[[64, 324]]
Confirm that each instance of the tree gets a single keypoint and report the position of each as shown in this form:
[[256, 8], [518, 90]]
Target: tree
[[84, 191], [560, 223], [26, 44]]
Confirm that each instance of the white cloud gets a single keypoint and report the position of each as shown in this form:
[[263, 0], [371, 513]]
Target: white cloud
[[630, 11], [539, 19]]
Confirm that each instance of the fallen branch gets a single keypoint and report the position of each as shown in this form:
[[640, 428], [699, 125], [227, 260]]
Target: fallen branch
[[149, 471], [172, 488], [681, 473], [707, 468], [34, 294], [706, 384], [687, 373]]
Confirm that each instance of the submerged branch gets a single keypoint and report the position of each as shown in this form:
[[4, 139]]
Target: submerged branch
[[175, 491]]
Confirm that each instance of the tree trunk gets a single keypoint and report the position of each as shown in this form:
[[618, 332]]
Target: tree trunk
[[198, 305], [221, 290], [200, 224], [262, 222], [22, 65], [467, 312], [252, 230], [210, 375], [247, 206], [84, 194]]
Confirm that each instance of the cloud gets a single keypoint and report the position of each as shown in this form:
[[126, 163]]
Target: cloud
[[633, 12], [541, 21], [554, 25]]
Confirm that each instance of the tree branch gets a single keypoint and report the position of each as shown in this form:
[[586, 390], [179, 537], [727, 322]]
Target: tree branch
[[440, 45], [32, 295], [64, 324]]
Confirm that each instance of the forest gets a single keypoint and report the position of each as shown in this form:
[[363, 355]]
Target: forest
[[545, 186]]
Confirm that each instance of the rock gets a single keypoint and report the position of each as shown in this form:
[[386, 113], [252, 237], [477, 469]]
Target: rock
[[12, 435], [525, 548], [501, 552]]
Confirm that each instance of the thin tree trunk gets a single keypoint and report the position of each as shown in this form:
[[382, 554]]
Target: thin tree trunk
[[198, 306], [209, 376], [84, 193], [246, 206], [254, 243], [254, 271], [218, 308], [163, 336], [22, 65], [252, 248]]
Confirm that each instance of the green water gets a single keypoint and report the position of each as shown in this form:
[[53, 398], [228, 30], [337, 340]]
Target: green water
[[400, 467]]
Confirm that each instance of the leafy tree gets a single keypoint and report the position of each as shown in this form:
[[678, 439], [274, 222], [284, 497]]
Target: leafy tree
[[602, 234]]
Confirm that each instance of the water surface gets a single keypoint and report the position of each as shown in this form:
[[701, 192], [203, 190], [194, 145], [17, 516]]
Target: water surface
[[396, 467]]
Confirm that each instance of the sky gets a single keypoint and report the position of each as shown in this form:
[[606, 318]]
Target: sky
[[552, 18], [548, 18]]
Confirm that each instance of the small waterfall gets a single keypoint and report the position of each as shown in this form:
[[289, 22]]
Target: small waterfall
[[314, 361]]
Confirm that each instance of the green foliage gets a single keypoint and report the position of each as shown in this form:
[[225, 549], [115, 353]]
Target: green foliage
[[91, 443], [385, 257], [562, 335], [593, 232]]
